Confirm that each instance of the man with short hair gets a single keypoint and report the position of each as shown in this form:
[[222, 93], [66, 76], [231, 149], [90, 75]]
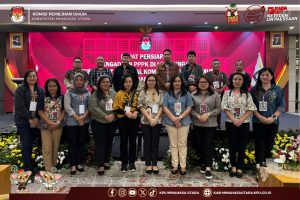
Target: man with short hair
[[99, 71], [69, 76], [190, 72], [239, 68], [219, 81], [166, 70], [125, 68]]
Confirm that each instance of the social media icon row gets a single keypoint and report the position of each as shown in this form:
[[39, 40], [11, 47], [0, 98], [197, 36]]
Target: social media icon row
[[132, 192]]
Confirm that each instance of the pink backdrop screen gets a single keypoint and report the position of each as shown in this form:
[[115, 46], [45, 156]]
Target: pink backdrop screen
[[52, 53]]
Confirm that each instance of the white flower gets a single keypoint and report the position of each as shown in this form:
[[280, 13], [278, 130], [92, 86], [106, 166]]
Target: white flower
[[12, 146], [225, 168], [282, 157]]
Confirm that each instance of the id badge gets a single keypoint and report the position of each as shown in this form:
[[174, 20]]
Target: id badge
[[33, 105], [109, 105], [203, 109], [216, 84], [81, 109], [263, 106], [237, 112], [154, 109], [127, 108], [54, 116], [177, 108], [191, 78]]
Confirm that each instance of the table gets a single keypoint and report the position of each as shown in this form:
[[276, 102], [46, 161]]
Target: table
[[5, 184], [274, 176]]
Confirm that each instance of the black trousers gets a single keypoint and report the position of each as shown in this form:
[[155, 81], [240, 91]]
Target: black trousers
[[151, 143], [237, 140], [128, 131], [205, 144], [104, 134], [28, 136], [76, 139], [264, 135]]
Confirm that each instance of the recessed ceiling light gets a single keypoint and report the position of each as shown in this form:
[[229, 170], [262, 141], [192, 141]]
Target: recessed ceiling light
[[105, 23], [205, 22], [64, 27], [159, 23], [216, 27], [291, 27]]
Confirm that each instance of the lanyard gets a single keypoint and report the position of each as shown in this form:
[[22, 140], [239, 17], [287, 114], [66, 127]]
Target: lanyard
[[191, 69], [203, 98], [178, 97], [81, 98], [216, 77], [33, 95], [125, 71], [265, 95], [236, 95]]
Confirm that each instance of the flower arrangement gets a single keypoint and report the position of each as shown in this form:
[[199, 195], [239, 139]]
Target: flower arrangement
[[287, 150], [221, 160]]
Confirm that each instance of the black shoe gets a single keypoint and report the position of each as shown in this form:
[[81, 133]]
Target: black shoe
[[156, 171], [208, 174], [174, 171], [202, 169], [100, 173], [239, 174], [132, 167], [182, 171], [106, 167], [232, 173], [263, 164], [124, 168], [100, 170], [73, 172], [80, 169]]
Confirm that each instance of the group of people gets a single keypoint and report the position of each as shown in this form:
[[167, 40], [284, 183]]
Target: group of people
[[170, 98]]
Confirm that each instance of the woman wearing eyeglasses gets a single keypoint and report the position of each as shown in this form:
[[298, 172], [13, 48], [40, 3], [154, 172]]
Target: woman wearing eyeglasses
[[150, 105], [207, 105]]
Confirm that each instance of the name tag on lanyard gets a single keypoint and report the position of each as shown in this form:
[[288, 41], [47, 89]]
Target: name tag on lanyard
[[109, 105], [154, 108], [33, 105], [127, 108], [216, 84], [81, 107], [263, 106], [177, 108], [203, 108]]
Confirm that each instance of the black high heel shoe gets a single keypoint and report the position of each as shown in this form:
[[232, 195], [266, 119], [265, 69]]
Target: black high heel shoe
[[232, 173], [239, 173], [155, 170], [80, 169], [174, 171]]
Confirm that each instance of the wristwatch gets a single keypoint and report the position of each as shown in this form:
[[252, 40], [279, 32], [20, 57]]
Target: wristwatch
[[274, 117]]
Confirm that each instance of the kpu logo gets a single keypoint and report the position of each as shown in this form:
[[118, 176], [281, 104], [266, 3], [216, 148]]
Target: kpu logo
[[17, 14]]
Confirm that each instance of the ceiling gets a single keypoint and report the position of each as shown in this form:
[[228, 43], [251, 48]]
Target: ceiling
[[115, 15]]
